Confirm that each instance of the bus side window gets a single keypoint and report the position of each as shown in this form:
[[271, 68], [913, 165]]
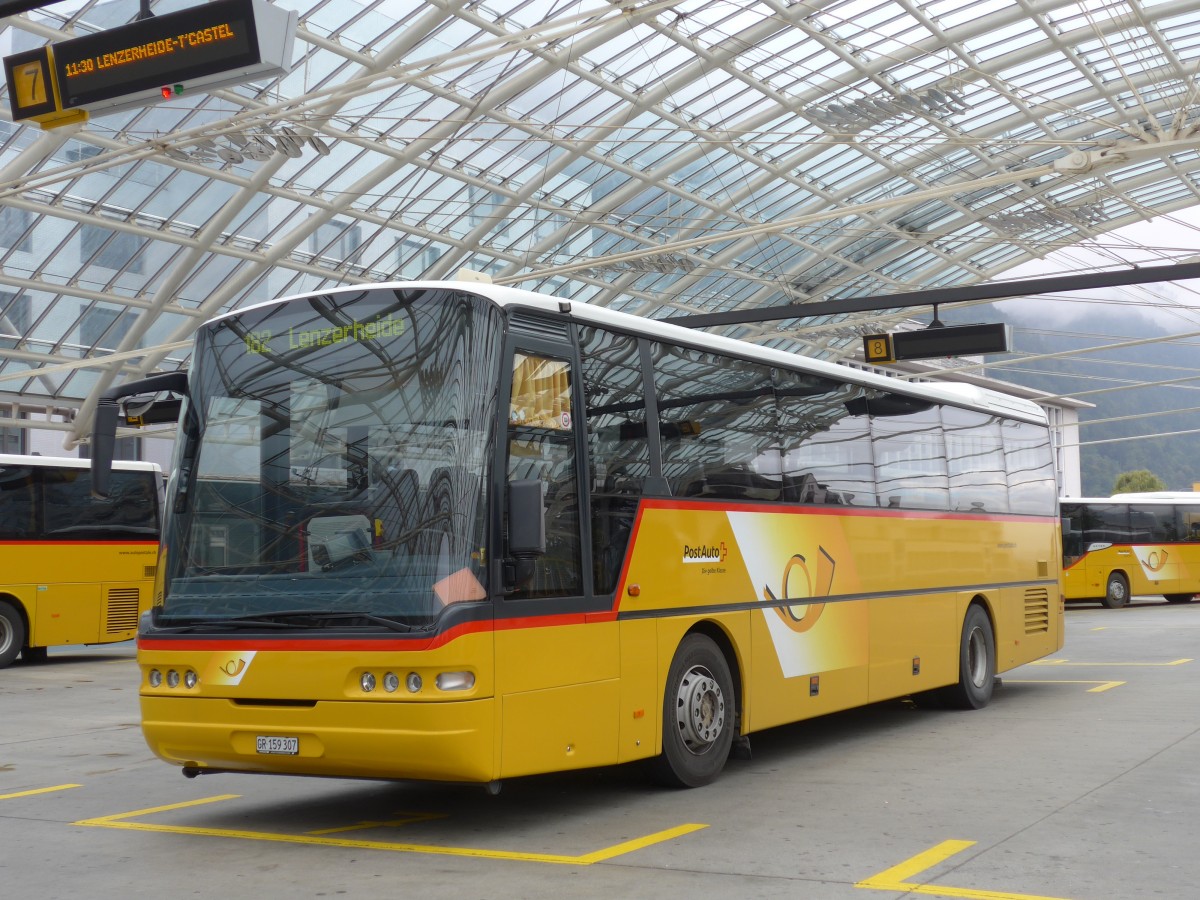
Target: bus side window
[[718, 425], [16, 503], [618, 446], [541, 447]]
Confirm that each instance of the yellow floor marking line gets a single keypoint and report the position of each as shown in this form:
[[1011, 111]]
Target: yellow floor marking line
[[121, 820], [408, 819], [897, 877], [1102, 686], [1067, 662], [57, 787]]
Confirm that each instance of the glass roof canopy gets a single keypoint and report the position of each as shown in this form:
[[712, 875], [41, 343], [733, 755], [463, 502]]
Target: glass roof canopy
[[655, 157]]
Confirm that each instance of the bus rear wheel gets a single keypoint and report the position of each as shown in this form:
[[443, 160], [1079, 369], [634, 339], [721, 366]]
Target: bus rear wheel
[[1116, 594], [976, 664], [698, 715], [12, 634]]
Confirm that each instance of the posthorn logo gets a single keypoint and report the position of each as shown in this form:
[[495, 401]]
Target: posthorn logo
[[705, 553]]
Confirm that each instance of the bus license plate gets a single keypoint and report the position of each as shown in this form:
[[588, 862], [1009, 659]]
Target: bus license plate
[[288, 746]]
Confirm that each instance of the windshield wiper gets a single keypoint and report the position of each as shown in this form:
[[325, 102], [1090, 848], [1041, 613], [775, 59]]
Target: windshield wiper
[[122, 529], [372, 618]]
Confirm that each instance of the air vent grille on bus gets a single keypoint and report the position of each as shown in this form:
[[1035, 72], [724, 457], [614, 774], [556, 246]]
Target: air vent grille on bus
[[151, 571], [122, 610], [1037, 611], [538, 327]]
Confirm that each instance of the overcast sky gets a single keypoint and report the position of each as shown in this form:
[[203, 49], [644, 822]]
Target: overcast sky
[[1167, 239]]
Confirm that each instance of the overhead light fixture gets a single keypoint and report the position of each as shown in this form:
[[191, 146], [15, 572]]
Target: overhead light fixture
[[259, 145], [857, 114]]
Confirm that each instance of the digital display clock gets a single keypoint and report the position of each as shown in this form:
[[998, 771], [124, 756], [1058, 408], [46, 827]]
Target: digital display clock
[[174, 48]]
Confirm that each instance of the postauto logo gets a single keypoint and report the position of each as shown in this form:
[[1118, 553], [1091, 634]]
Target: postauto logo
[[705, 553]]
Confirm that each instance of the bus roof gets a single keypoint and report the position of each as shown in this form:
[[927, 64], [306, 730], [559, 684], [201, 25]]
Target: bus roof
[[67, 462], [1156, 495], [1160, 498], [956, 393]]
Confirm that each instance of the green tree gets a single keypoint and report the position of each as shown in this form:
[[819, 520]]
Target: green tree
[[1138, 481]]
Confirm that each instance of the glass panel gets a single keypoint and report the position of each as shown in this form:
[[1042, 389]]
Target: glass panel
[[910, 453], [1072, 516], [70, 510], [1106, 524], [1153, 523], [340, 446], [975, 459], [541, 447], [618, 449], [717, 418], [18, 521], [1032, 486], [1188, 521], [826, 447]]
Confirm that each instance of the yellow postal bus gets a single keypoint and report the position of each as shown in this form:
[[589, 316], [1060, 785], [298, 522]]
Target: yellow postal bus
[[74, 569], [1131, 544], [462, 532]]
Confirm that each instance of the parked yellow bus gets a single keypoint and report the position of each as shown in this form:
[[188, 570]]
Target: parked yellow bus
[[74, 569], [1131, 544], [461, 532]]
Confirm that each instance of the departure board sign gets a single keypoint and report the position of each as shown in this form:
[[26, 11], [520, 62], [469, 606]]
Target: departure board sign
[[205, 47], [163, 50], [939, 341]]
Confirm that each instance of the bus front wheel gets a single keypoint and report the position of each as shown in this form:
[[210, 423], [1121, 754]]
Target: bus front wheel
[[1116, 594], [12, 634], [698, 715]]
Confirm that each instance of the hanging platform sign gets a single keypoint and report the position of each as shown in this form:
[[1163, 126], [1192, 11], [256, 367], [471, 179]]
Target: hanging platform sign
[[214, 45], [941, 341]]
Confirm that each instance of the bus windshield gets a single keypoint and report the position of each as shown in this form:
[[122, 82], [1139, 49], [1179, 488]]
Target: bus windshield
[[333, 463]]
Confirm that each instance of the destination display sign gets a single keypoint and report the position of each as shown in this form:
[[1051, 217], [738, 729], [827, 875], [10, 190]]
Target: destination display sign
[[932, 343], [191, 51], [178, 47]]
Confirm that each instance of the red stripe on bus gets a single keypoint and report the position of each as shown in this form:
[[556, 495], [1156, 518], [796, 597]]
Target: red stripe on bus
[[223, 642]]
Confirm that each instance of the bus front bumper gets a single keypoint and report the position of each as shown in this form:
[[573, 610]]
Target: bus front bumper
[[450, 741]]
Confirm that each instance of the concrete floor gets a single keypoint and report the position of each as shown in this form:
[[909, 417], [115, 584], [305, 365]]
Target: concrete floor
[[1081, 780]]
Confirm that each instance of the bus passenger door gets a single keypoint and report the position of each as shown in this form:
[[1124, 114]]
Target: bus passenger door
[[557, 655]]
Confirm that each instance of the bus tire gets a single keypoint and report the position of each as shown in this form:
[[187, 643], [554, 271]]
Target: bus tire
[[1179, 598], [1116, 593], [699, 712], [976, 663], [12, 634]]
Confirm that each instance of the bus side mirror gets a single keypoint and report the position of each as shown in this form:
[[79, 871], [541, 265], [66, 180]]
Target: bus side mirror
[[526, 531], [526, 519], [108, 416], [104, 436]]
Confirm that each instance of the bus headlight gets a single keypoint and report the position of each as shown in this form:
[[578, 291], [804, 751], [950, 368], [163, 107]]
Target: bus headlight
[[172, 679], [455, 681], [154, 678], [413, 682], [391, 681], [190, 679], [367, 682]]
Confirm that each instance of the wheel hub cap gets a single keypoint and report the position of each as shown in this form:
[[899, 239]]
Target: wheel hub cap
[[700, 709]]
